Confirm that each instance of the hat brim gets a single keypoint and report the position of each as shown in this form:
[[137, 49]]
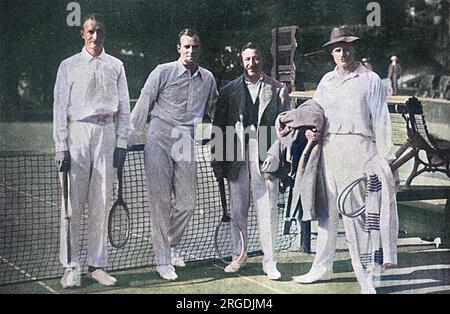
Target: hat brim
[[344, 39]]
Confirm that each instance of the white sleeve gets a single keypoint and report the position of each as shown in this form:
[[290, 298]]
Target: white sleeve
[[123, 114], [144, 105], [60, 104], [381, 121]]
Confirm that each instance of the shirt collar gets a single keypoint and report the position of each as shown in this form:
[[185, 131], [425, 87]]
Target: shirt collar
[[358, 70], [247, 80], [182, 69], [87, 56]]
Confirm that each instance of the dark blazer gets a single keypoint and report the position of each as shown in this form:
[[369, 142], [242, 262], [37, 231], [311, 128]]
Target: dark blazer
[[273, 99]]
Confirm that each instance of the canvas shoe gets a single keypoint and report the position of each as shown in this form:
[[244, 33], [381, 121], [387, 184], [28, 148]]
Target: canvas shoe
[[235, 265], [102, 277], [71, 278], [270, 269], [315, 274], [167, 272], [176, 259]]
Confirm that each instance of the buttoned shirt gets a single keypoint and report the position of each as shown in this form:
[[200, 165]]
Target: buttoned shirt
[[89, 86], [355, 103], [254, 88], [174, 95]]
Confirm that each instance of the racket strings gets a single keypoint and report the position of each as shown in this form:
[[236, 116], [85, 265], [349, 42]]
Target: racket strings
[[228, 241], [119, 225]]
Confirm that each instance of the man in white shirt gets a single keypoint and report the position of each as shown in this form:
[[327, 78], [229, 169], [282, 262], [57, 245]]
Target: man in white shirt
[[90, 94], [175, 95], [359, 128]]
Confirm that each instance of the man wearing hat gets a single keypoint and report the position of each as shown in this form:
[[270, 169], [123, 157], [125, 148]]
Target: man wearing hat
[[358, 127]]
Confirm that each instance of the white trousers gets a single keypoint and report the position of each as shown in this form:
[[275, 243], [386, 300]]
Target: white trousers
[[344, 158], [91, 179], [265, 197], [166, 173]]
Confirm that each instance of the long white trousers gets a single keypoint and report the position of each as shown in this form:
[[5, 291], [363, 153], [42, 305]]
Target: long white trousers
[[168, 170], [91, 179], [344, 158], [265, 197]]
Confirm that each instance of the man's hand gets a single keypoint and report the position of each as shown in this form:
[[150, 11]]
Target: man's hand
[[311, 135], [62, 160], [267, 163], [119, 157]]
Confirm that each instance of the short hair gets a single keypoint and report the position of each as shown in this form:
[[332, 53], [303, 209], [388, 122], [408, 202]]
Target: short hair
[[251, 45], [95, 17], [187, 32]]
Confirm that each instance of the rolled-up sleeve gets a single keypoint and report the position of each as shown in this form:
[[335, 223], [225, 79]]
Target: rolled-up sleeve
[[60, 104]]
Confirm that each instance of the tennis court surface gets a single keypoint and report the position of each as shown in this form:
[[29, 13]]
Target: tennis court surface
[[29, 235]]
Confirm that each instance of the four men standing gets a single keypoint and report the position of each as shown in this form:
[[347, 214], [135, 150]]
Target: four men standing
[[91, 94]]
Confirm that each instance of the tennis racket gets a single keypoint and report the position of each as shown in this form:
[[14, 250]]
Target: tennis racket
[[119, 218], [63, 175], [227, 233], [361, 183]]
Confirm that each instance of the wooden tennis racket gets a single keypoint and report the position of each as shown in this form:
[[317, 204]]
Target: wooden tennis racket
[[119, 225], [228, 236]]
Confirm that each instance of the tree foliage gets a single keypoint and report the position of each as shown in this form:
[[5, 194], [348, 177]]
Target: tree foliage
[[36, 37]]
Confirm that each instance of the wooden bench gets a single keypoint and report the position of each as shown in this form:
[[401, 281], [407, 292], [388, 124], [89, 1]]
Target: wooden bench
[[430, 153], [444, 87]]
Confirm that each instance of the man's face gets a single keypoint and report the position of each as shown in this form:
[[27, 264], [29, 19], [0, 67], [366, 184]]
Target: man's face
[[93, 35], [343, 55], [251, 62], [189, 50]]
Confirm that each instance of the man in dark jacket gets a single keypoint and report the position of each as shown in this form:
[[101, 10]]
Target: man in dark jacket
[[247, 108]]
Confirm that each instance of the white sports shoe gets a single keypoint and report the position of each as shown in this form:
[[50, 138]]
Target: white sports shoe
[[271, 271], [176, 259], [71, 278], [167, 272], [102, 277], [315, 274], [235, 265]]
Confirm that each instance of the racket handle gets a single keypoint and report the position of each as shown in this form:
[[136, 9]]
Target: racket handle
[[287, 227], [119, 178]]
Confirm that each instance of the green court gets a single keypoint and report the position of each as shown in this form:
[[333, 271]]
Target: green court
[[422, 268], [33, 237]]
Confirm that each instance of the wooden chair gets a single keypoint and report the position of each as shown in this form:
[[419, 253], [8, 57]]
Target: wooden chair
[[444, 87], [436, 150]]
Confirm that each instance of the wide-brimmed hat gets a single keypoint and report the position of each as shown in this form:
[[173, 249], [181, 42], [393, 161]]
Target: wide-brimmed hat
[[340, 34]]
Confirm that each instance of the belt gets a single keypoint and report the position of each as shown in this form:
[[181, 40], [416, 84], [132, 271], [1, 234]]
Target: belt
[[101, 119]]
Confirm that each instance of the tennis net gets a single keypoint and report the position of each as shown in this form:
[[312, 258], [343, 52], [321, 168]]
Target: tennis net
[[30, 197]]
